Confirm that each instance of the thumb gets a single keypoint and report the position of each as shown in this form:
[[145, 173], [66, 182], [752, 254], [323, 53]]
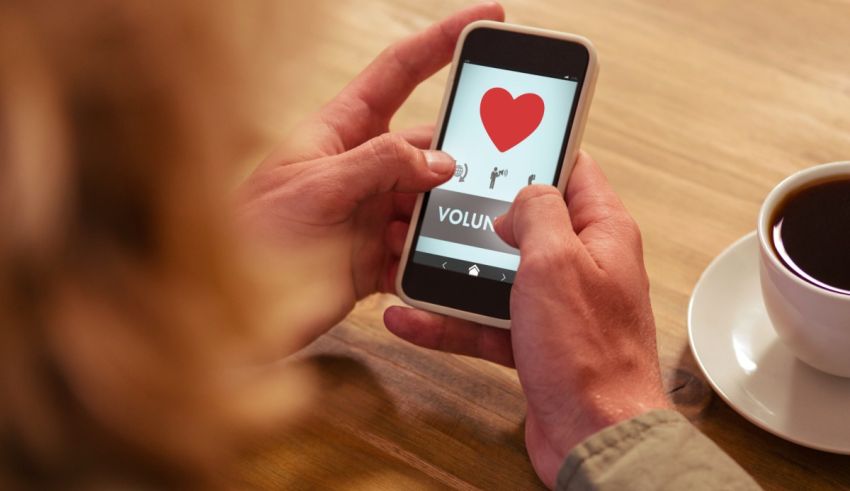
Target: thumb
[[390, 163], [537, 220]]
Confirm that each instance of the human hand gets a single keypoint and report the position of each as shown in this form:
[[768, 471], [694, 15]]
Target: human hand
[[582, 330], [330, 192]]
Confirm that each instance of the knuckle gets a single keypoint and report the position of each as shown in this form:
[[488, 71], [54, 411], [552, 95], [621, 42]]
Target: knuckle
[[391, 149], [393, 54], [545, 261], [532, 196], [612, 213], [630, 229], [389, 145], [537, 191]]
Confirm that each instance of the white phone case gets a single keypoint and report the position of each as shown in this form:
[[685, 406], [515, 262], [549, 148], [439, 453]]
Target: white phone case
[[573, 144]]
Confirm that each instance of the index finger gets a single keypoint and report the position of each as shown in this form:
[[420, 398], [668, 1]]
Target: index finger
[[590, 197], [599, 217], [365, 106]]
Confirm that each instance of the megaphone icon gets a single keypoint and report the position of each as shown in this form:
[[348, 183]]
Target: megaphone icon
[[461, 170]]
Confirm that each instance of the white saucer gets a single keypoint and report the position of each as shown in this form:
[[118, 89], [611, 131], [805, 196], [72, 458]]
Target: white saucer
[[749, 367]]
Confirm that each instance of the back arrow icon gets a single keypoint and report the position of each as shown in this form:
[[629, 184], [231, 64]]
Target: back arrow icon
[[444, 264]]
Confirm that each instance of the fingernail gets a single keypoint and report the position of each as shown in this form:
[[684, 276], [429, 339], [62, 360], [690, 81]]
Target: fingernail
[[439, 162]]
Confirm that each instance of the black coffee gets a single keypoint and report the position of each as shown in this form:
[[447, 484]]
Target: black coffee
[[811, 233]]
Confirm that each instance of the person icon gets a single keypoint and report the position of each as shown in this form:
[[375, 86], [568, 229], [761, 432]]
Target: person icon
[[493, 176]]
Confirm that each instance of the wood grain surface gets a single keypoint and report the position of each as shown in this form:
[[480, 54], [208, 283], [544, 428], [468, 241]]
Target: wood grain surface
[[701, 108]]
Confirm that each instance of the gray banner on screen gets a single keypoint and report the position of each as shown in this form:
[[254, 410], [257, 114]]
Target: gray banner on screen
[[465, 219]]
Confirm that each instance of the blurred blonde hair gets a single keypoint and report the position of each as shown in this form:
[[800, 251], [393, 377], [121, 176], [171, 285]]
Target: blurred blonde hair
[[124, 308]]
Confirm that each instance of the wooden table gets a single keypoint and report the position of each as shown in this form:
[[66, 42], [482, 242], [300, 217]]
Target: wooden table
[[702, 107]]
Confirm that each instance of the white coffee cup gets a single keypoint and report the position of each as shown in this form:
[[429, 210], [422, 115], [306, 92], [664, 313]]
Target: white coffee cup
[[813, 322]]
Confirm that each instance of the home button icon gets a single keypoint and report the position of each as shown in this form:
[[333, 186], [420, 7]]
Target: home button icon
[[474, 270]]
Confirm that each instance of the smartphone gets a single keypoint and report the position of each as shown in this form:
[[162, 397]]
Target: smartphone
[[512, 115]]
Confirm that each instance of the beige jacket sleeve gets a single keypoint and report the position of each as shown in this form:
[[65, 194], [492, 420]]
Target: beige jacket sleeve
[[657, 450]]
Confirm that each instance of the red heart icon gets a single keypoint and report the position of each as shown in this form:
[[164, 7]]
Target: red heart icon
[[509, 121]]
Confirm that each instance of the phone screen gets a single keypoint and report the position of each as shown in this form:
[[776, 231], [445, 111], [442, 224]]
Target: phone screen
[[506, 129]]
